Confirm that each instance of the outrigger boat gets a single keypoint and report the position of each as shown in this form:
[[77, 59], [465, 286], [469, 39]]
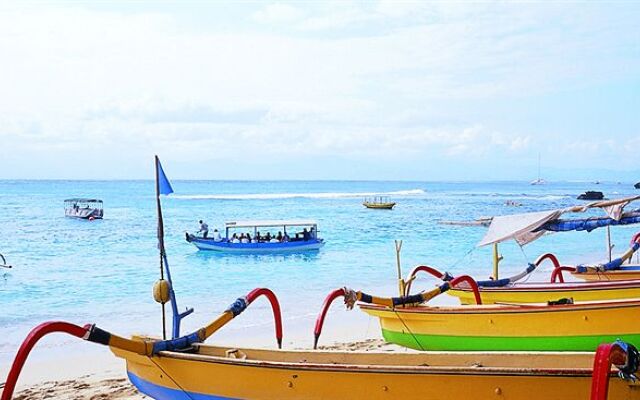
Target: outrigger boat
[[552, 326], [304, 240], [184, 368], [612, 280], [83, 208], [378, 203]]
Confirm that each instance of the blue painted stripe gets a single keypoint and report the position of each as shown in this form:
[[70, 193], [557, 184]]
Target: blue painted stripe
[[164, 393]]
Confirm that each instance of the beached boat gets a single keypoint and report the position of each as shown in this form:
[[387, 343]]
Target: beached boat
[[553, 326], [184, 368], [297, 235], [378, 203], [614, 279], [83, 208], [516, 289], [517, 327]]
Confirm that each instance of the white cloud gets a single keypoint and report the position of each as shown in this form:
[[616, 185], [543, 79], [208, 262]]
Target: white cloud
[[379, 80], [278, 13]]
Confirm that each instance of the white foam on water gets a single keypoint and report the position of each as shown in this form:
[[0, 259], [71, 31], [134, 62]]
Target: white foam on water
[[320, 195], [522, 196]]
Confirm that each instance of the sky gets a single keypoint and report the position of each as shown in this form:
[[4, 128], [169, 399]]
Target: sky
[[373, 90]]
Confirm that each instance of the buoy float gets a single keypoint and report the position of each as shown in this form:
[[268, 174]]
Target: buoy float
[[161, 291]]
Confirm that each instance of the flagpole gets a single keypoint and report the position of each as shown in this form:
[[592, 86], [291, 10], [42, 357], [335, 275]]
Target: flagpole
[[160, 243]]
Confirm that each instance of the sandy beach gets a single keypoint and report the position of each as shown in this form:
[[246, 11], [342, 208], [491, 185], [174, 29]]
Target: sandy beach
[[112, 383]]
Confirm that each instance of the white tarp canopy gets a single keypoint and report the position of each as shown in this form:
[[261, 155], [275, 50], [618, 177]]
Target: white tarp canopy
[[269, 223], [521, 227]]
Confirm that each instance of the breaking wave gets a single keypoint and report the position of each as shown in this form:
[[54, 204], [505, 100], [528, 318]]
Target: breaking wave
[[321, 195]]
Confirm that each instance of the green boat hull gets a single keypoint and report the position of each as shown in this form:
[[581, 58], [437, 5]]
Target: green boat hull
[[488, 343]]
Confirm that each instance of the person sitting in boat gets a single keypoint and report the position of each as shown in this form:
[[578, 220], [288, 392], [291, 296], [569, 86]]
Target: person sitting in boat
[[256, 238], [312, 233], [285, 237], [248, 236], [204, 228], [244, 239], [216, 236], [305, 235], [234, 238], [267, 238], [279, 236]]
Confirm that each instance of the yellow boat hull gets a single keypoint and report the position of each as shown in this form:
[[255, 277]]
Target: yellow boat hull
[[575, 327], [626, 273], [221, 373], [543, 292]]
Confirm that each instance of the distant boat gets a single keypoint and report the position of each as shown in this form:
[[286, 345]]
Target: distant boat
[[379, 203], [304, 240], [482, 221], [83, 208], [538, 181], [591, 195]]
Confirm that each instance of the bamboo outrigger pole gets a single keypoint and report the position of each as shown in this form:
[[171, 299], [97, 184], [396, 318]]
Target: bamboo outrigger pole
[[496, 260], [401, 282]]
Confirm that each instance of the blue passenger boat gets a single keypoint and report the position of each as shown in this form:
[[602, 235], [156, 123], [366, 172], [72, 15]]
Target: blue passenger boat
[[246, 237]]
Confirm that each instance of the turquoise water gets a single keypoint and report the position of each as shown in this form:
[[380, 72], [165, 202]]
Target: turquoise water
[[103, 271]]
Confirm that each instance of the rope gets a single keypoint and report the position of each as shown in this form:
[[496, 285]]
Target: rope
[[409, 330], [526, 260], [463, 257], [170, 377]]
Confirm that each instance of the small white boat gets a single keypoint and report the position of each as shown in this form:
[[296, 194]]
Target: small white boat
[[83, 208], [293, 236]]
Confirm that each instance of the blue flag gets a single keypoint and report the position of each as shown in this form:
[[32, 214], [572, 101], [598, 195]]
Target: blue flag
[[163, 182]]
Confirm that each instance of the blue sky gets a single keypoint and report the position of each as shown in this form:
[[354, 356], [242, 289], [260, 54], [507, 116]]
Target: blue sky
[[321, 90]]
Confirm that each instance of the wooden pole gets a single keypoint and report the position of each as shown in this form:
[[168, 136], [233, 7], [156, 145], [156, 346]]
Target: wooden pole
[[496, 261], [401, 282], [609, 246]]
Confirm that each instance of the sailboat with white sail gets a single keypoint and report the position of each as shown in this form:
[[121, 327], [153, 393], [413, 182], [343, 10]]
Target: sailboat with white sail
[[538, 181]]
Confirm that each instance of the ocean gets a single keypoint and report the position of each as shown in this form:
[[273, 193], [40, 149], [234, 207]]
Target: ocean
[[102, 271]]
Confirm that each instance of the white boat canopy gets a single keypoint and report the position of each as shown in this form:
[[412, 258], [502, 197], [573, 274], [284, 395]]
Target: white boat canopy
[[525, 228], [269, 223]]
